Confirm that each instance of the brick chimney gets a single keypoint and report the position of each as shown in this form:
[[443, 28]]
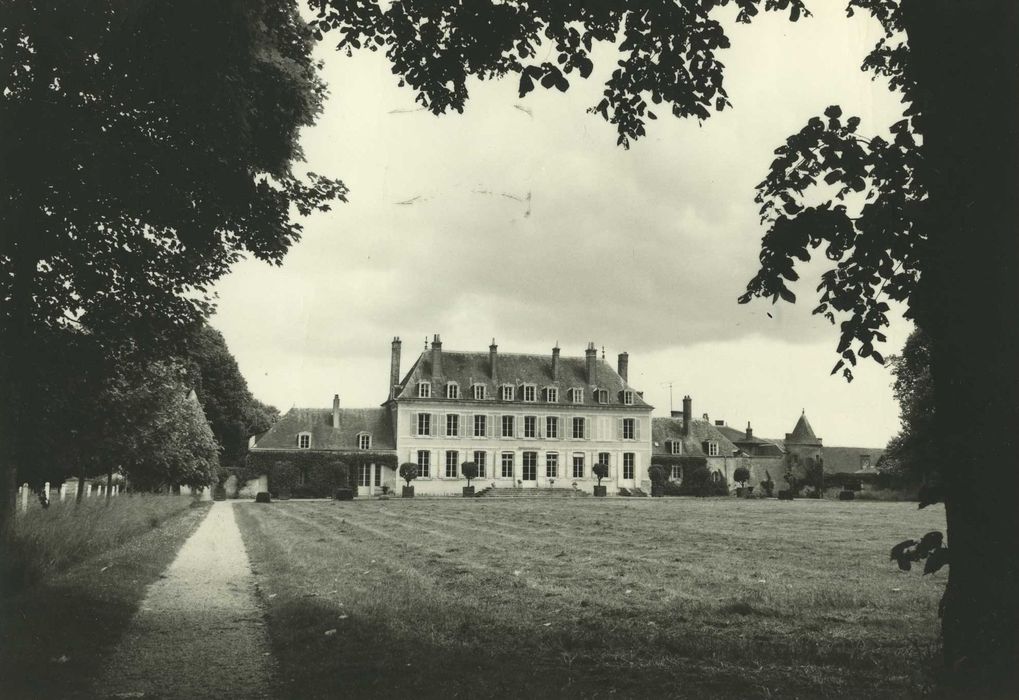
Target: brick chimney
[[687, 414], [592, 361], [555, 362], [493, 356], [436, 356], [750, 431], [394, 367], [336, 410], [623, 365]]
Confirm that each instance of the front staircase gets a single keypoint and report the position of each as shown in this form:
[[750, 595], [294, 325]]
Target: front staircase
[[496, 492]]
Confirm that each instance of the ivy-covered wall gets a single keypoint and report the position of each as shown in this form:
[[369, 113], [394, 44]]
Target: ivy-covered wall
[[323, 472]]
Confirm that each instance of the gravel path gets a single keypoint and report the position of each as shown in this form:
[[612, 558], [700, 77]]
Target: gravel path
[[199, 632]]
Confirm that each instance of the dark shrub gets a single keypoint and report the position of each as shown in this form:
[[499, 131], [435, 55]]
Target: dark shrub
[[600, 470], [219, 492], [741, 476], [344, 494], [785, 495], [469, 470], [671, 488], [408, 472], [847, 495], [262, 497]]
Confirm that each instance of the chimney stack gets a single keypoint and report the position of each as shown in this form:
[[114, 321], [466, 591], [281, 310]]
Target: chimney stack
[[687, 414], [336, 410], [623, 365], [436, 356], [555, 362], [493, 356], [750, 431], [394, 368], [592, 361]]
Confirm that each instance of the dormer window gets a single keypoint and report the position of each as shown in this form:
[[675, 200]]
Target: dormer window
[[712, 448], [507, 392], [601, 395], [479, 392], [452, 390], [675, 447], [304, 441], [364, 441], [551, 394], [628, 398], [530, 393], [424, 390], [576, 395]]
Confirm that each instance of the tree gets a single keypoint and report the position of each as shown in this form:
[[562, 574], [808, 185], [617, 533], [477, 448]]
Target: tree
[[408, 472], [146, 147], [469, 471], [932, 221], [600, 471], [911, 455], [741, 475]]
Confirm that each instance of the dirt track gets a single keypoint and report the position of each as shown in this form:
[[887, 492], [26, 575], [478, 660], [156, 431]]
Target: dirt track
[[199, 631]]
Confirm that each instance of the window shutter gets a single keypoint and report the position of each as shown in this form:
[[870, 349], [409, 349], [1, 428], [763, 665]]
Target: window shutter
[[619, 429], [435, 427], [636, 428], [466, 425], [539, 429], [414, 424], [519, 424], [490, 427]]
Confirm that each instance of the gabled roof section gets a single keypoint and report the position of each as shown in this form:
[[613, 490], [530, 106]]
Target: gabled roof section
[[318, 422], [753, 446], [850, 459], [468, 368], [802, 434], [664, 430]]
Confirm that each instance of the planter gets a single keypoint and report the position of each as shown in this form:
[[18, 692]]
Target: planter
[[468, 491], [847, 495], [344, 494], [741, 492], [263, 497], [657, 491], [601, 491], [408, 492]]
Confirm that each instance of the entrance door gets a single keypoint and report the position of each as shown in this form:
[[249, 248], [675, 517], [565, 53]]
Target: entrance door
[[530, 469]]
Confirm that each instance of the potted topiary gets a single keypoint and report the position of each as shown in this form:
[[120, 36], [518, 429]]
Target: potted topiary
[[408, 472], [741, 476], [768, 485], [658, 476], [469, 470], [601, 471]]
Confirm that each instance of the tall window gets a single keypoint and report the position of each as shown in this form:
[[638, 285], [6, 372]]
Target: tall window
[[424, 424], [364, 441], [507, 392], [452, 390], [628, 459], [677, 471], [551, 427], [551, 464], [424, 463], [424, 390], [506, 464], [452, 462], [452, 424], [578, 466], [364, 474], [601, 395], [629, 432], [604, 458], [530, 426], [628, 398], [530, 393], [712, 449], [530, 466], [304, 441], [576, 395], [578, 428], [479, 391], [507, 426], [552, 394], [676, 447], [480, 426], [479, 459]]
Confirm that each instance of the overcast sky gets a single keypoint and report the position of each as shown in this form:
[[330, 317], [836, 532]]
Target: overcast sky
[[523, 221]]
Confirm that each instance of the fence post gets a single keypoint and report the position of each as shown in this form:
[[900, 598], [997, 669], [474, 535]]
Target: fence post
[[88, 490], [24, 497], [116, 489], [46, 490], [63, 491]]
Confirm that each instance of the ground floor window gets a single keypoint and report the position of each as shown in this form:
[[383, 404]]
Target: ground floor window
[[507, 465], [604, 458], [452, 460], [479, 459], [677, 471], [578, 466], [378, 475], [424, 463], [364, 475], [530, 466], [628, 458], [552, 464]]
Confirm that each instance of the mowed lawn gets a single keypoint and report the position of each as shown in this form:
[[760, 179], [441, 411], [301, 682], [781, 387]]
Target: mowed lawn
[[594, 597]]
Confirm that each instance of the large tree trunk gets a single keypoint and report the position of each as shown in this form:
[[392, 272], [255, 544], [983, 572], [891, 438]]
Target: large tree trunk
[[965, 60]]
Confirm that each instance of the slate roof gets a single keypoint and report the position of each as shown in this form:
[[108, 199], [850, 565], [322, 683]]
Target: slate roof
[[701, 431], [754, 446], [847, 459], [802, 434], [468, 368], [319, 422]]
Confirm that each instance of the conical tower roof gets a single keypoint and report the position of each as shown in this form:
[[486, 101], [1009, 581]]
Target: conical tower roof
[[802, 434]]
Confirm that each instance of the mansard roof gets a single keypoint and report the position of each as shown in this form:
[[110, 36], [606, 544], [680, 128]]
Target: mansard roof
[[469, 368], [665, 430], [802, 434], [319, 423]]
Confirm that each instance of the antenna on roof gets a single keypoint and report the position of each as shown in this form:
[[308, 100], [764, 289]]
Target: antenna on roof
[[669, 384], [426, 342], [603, 352]]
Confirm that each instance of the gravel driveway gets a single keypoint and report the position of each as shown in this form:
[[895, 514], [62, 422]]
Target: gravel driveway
[[199, 631]]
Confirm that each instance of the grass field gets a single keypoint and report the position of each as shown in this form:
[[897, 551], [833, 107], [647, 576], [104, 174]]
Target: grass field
[[681, 597]]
